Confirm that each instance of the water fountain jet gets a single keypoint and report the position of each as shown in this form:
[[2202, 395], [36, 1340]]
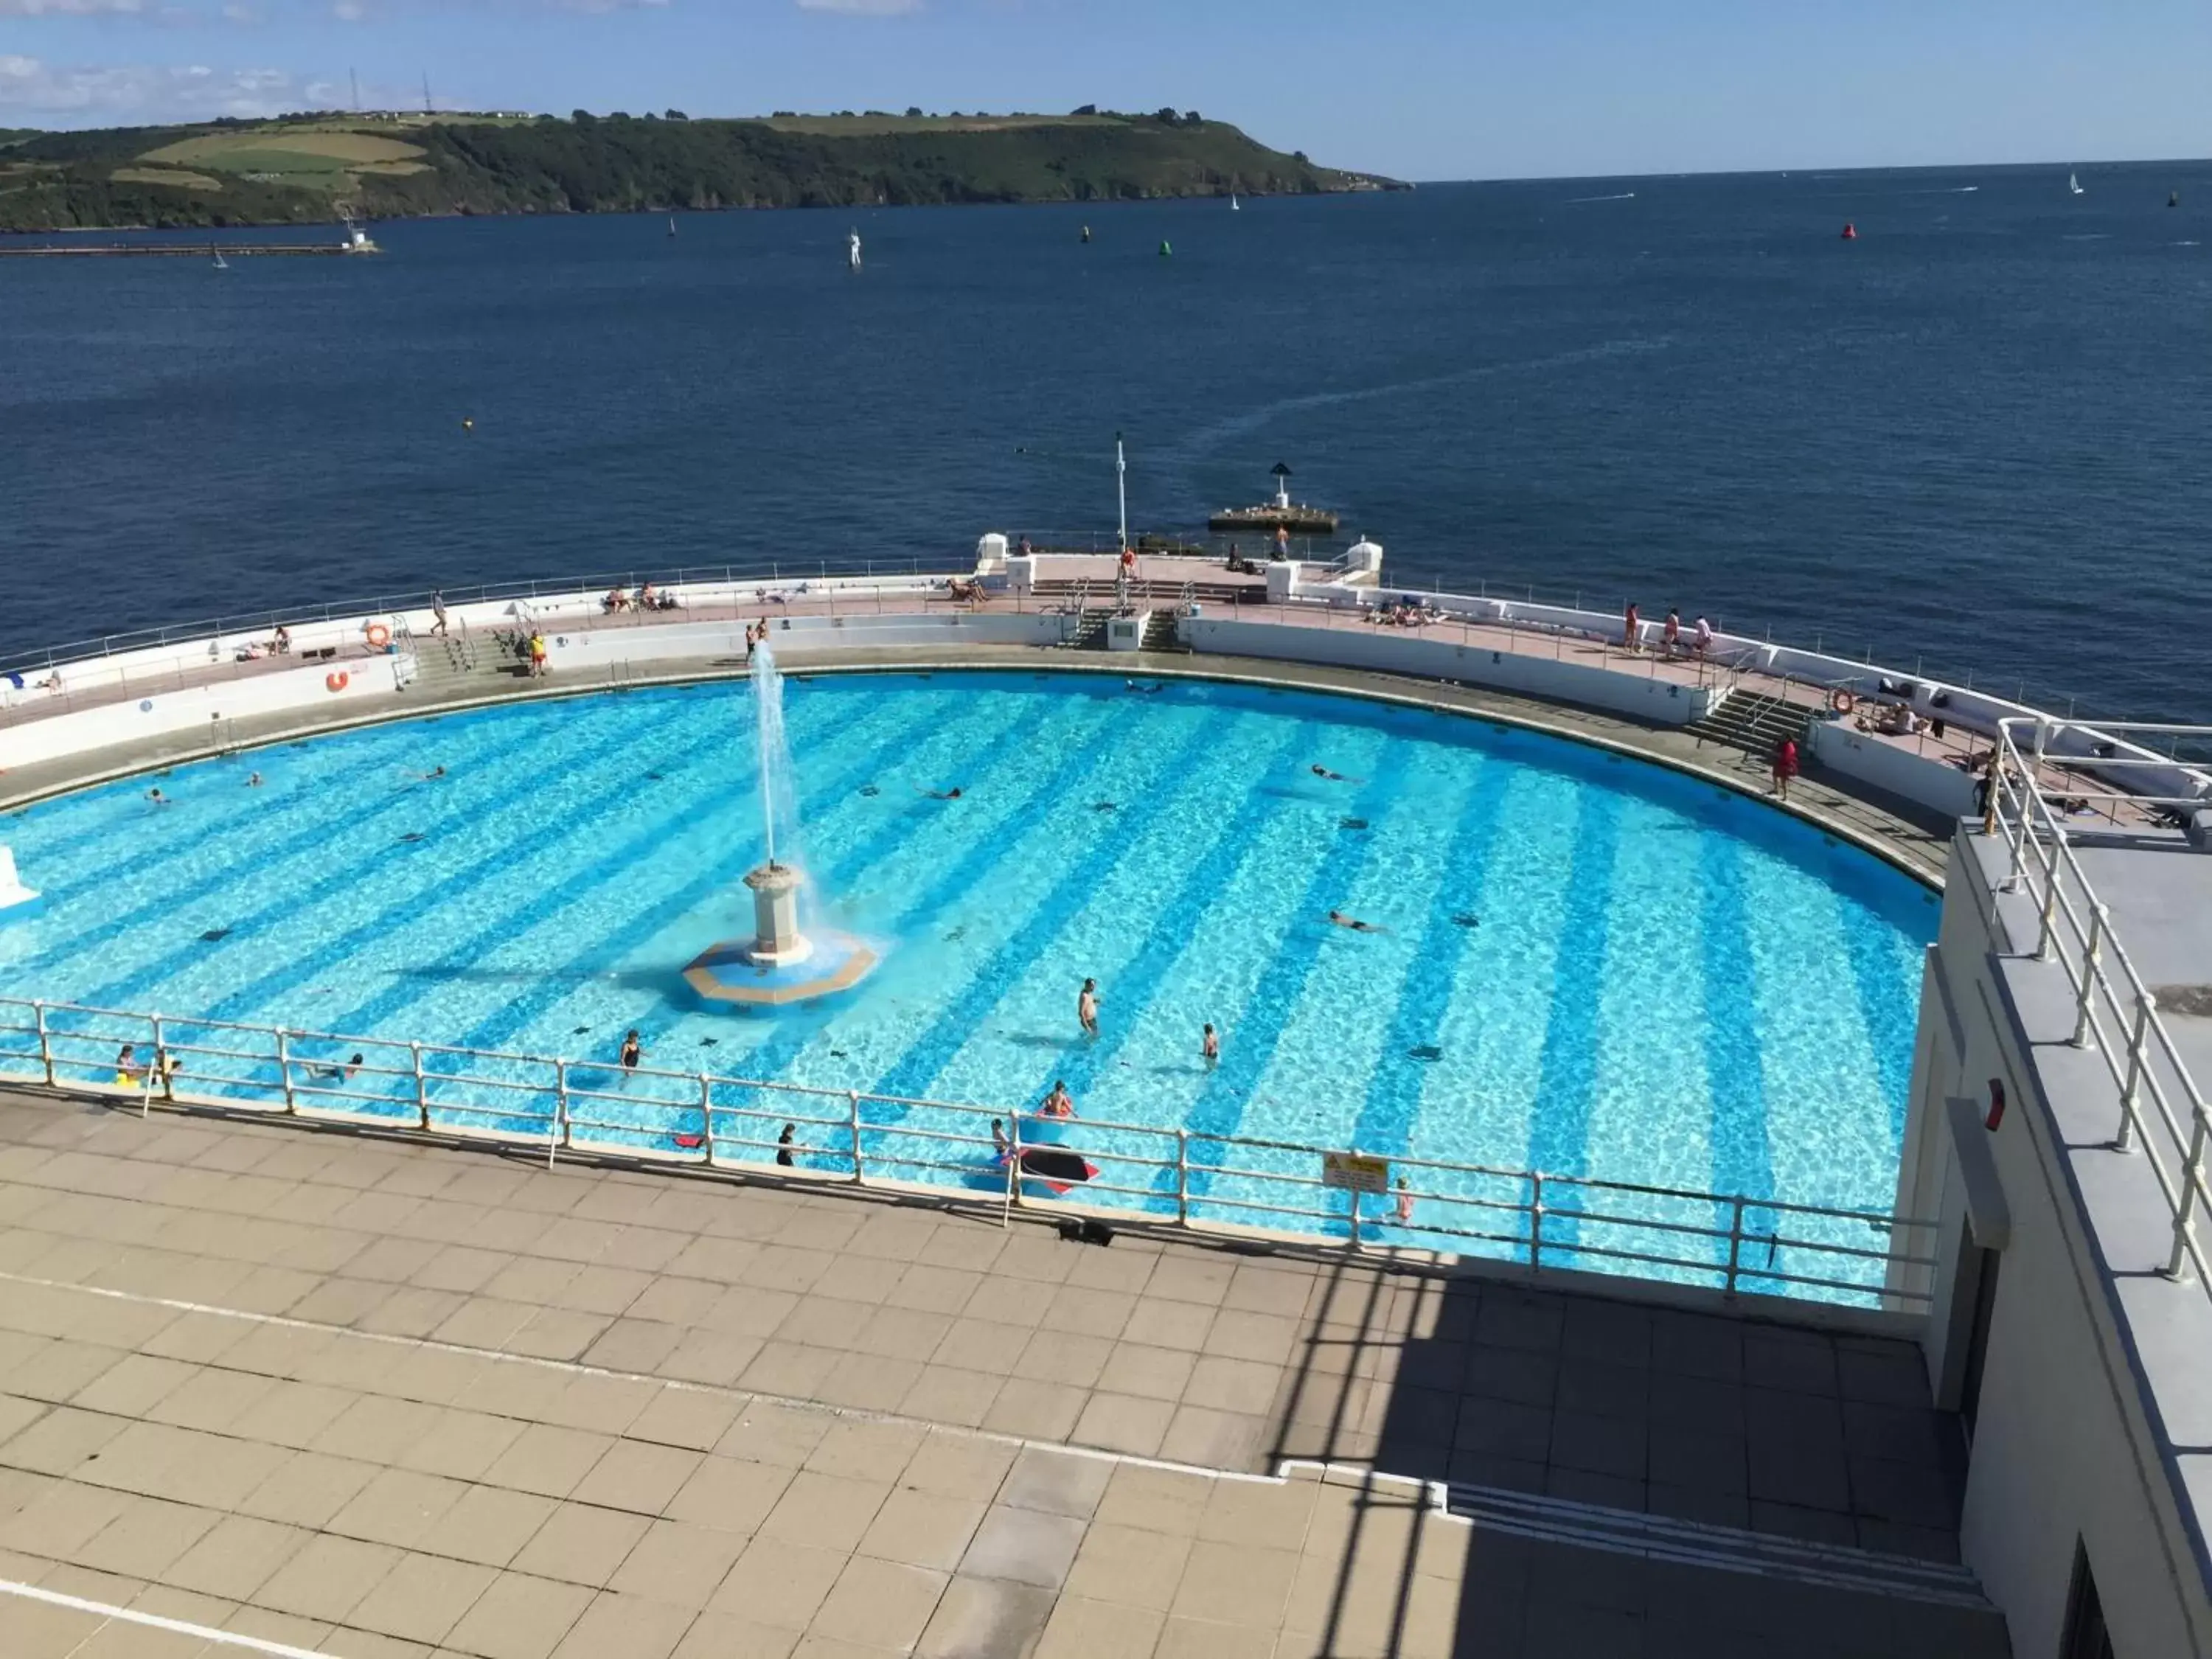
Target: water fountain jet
[[781, 963]]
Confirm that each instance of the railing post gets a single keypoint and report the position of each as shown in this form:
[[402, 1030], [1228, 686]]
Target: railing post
[[45, 1043], [153, 1065], [284, 1071], [168, 1063], [1536, 1220], [422, 1086], [852, 1098], [2098, 915], [2192, 1175], [1735, 1244], [563, 1129], [2125, 1139], [706, 1117], [2046, 942], [1182, 1177]]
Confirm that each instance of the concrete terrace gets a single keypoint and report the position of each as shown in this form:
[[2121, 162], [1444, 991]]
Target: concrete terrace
[[364, 1396]]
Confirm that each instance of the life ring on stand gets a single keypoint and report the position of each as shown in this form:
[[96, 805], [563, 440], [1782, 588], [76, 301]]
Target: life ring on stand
[[379, 635], [336, 682], [1842, 701]]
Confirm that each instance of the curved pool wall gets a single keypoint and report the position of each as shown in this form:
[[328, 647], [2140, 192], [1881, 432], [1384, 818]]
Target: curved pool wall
[[1594, 966], [130, 690]]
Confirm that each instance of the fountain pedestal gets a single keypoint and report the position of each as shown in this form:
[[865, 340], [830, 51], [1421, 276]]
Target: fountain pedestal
[[779, 964], [777, 937]]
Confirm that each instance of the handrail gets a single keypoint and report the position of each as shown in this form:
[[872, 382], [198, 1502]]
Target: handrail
[[257, 622], [2109, 996], [1730, 1243]]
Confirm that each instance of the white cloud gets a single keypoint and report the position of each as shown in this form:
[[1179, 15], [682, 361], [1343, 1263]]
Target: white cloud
[[132, 94], [71, 7], [862, 8], [235, 13]]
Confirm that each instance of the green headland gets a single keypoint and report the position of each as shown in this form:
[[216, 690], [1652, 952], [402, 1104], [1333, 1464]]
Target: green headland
[[303, 168]]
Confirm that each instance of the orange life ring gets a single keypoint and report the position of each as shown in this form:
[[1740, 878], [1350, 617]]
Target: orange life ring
[[336, 682], [379, 635], [1842, 701]]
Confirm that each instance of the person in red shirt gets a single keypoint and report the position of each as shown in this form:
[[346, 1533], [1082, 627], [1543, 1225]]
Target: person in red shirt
[[1785, 766]]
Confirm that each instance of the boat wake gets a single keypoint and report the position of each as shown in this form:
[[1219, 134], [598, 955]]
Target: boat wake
[[1209, 439], [2089, 236], [2184, 245], [1625, 195], [1946, 190]]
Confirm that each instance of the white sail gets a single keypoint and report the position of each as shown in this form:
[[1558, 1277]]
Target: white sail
[[2073, 184]]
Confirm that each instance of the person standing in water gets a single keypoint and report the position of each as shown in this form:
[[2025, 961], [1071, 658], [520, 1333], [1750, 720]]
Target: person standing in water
[[632, 1050], [1210, 1047], [1086, 1007]]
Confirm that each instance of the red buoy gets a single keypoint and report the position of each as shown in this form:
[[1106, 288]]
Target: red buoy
[[1851, 232]]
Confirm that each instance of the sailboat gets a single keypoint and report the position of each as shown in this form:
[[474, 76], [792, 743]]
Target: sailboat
[[2073, 186], [1235, 206], [220, 264], [671, 224]]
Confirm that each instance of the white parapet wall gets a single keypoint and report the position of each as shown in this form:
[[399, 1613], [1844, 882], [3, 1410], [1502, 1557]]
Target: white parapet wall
[[321, 690], [1841, 748], [1662, 701]]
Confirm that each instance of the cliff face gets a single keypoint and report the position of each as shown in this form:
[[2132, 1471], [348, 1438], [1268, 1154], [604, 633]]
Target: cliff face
[[300, 170]]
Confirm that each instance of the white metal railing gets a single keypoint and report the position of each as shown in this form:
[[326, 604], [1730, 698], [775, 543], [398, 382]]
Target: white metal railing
[[1189, 1177], [2116, 1014]]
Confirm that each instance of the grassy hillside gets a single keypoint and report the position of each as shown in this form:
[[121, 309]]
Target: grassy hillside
[[301, 169]]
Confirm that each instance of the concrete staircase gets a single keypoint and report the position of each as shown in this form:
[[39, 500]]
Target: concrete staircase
[[1086, 631], [446, 664], [1751, 721], [1160, 633]]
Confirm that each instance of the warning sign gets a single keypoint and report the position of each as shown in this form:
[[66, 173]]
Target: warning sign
[[1355, 1173]]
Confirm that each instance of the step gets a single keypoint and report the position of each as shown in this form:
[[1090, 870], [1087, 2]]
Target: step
[[1733, 1549]]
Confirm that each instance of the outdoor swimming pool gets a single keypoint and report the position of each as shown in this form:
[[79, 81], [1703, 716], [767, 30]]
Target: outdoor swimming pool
[[1591, 966]]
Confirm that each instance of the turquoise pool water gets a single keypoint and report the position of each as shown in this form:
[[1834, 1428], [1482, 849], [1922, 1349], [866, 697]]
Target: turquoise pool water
[[1591, 966]]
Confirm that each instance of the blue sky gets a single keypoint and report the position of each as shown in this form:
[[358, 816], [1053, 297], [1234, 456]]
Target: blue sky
[[1423, 89]]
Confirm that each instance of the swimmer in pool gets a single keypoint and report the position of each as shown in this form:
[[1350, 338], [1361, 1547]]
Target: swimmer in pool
[[157, 798], [1059, 1102], [940, 794], [1086, 1007], [1209, 1046], [253, 781], [1323, 772], [1354, 923]]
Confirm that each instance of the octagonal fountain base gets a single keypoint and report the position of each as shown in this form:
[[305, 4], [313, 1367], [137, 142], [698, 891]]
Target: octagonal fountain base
[[779, 964], [733, 972]]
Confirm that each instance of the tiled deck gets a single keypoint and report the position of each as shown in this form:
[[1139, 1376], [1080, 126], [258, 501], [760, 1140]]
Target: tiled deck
[[369, 1397]]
